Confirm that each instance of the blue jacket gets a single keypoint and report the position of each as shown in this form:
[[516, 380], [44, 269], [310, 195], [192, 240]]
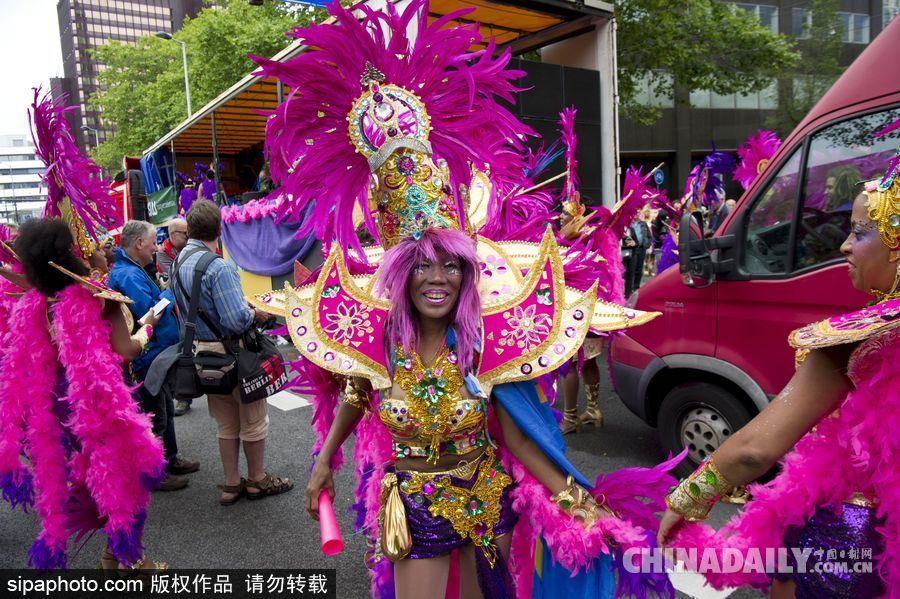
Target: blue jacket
[[132, 281]]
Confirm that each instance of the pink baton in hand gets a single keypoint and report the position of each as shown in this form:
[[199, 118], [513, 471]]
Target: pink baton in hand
[[328, 526]]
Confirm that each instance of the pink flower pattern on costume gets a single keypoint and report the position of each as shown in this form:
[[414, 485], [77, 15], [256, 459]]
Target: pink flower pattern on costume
[[527, 328], [493, 265], [348, 322]]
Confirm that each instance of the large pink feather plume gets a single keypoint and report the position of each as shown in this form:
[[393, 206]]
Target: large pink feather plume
[[70, 175], [567, 134], [753, 156], [464, 93]]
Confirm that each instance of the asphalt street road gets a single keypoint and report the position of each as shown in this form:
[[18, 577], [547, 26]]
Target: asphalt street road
[[189, 529]]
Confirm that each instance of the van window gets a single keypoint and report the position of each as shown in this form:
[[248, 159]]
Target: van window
[[841, 158], [768, 229]]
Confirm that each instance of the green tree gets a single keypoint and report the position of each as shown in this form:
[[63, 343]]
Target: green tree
[[693, 44], [818, 68], [142, 86]]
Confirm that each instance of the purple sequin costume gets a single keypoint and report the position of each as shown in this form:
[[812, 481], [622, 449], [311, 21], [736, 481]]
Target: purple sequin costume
[[842, 537]]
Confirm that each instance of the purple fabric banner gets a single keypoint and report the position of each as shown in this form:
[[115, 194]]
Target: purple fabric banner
[[264, 248]]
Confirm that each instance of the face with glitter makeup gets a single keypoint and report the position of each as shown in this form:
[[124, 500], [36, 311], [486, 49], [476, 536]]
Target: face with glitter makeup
[[869, 259], [434, 286]]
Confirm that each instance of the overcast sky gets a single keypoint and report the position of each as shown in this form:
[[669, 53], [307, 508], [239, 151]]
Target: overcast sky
[[30, 54]]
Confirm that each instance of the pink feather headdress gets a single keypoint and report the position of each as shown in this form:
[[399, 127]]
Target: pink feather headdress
[[307, 138], [754, 156], [76, 190]]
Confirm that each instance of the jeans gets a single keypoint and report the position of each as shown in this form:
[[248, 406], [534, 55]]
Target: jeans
[[161, 409]]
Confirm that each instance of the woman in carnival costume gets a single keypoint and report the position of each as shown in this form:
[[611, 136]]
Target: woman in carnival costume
[[73, 443], [838, 495], [456, 449]]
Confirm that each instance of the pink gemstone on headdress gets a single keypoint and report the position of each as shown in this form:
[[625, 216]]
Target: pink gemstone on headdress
[[301, 331], [392, 131], [296, 312], [312, 346], [378, 97]]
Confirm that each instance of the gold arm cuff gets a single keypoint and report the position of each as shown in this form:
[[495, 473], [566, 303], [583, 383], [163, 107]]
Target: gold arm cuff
[[576, 501], [694, 497], [356, 396], [143, 336]]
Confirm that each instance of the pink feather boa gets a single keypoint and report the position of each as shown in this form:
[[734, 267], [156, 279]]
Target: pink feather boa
[[855, 449], [124, 460], [27, 380]]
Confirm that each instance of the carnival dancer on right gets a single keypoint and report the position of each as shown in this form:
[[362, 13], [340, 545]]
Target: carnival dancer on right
[[835, 426]]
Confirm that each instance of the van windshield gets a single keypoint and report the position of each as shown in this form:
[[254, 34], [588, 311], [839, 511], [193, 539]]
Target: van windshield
[[841, 157]]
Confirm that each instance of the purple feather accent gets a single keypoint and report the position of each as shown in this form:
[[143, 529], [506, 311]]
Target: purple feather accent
[[359, 506], [757, 148], [69, 174], [125, 544], [639, 584], [306, 138], [18, 489], [207, 189], [44, 557], [706, 179], [669, 253], [538, 161], [200, 169], [567, 133]]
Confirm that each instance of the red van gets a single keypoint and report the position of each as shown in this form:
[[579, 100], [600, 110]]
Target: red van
[[719, 353]]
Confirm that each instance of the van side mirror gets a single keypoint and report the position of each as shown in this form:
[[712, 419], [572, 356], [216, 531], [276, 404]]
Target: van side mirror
[[697, 266], [694, 261]]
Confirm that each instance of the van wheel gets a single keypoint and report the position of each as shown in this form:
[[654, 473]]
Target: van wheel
[[699, 416]]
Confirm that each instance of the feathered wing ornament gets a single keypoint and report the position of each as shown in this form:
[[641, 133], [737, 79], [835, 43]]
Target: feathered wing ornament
[[754, 155], [76, 190]]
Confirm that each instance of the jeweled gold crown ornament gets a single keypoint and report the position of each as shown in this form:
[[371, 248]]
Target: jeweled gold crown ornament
[[410, 192], [884, 205]]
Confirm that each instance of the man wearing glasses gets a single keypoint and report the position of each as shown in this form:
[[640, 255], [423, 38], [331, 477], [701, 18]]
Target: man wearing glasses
[[170, 248]]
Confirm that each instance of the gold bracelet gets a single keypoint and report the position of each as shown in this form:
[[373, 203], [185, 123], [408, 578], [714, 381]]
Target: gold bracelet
[[576, 501], [694, 497], [143, 336], [356, 396]]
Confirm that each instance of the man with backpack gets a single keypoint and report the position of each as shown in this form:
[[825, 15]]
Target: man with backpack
[[223, 318]]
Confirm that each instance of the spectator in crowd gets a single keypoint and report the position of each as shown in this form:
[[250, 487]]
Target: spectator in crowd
[[223, 304], [170, 248], [129, 277], [721, 214], [637, 240]]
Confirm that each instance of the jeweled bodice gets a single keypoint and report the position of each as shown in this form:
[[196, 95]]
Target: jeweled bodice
[[428, 411]]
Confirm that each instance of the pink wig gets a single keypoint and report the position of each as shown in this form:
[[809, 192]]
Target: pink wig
[[402, 327]]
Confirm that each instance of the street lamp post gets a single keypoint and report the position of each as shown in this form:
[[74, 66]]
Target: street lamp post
[[187, 85], [86, 129]]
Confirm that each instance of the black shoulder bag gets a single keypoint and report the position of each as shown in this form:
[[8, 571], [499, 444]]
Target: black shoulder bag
[[254, 366], [205, 372]]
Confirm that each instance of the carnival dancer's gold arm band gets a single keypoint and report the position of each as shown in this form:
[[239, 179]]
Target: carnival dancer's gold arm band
[[694, 496], [355, 395], [576, 501]]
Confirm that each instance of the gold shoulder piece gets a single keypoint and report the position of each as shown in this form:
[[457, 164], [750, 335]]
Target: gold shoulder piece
[[94, 287]]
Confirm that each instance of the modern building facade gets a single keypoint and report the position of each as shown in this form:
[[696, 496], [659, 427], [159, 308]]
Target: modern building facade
[[88, 24], [689, 128], [22, 194]]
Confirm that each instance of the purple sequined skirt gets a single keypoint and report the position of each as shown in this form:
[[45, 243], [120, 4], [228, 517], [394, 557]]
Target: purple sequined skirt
[[434, 536], [844, 544]]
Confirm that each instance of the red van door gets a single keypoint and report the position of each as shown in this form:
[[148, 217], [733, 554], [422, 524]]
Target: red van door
[[788, 266]]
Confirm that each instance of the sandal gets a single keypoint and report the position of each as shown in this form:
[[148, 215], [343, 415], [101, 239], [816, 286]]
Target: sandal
[[142, 567], [268, 486], [237, 489]]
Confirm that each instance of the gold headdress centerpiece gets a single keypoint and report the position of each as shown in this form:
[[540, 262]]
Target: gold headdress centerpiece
[[410, 192], [884, 205]]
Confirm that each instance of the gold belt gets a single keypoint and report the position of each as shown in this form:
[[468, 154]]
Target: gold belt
[[861, 499], [474, 512]]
